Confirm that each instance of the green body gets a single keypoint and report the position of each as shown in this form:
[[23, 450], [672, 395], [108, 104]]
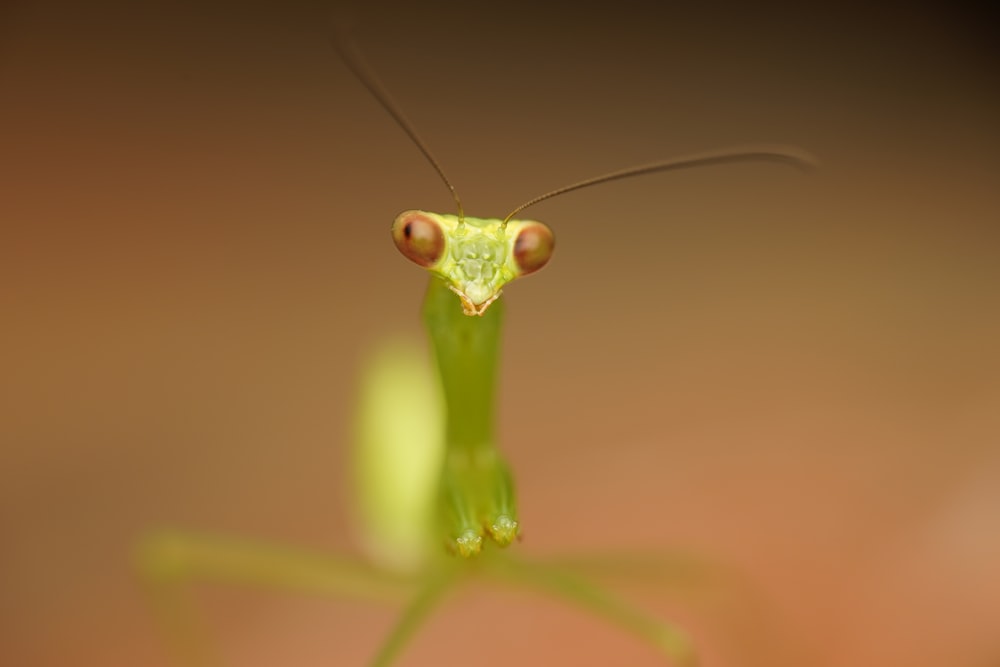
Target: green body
[[428, 464], [471, 260]]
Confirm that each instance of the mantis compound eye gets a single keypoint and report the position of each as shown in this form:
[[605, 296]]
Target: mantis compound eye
[[419, 237], [533, 247]]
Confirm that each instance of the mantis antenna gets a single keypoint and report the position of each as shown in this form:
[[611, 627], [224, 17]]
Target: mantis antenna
[[352, 57], [780, 154], [357, 64]]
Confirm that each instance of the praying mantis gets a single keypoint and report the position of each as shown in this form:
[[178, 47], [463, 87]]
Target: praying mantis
[[437, 496]]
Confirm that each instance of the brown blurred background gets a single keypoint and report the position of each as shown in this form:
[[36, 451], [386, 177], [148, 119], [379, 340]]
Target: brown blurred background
[[797, 377]]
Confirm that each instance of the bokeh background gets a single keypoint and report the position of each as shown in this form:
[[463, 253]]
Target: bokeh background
[[796, 377]]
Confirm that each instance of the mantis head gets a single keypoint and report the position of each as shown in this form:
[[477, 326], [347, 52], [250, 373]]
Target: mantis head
[[475, 257]]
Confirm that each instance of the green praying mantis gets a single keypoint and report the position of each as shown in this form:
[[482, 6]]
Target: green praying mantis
[[437, 497]]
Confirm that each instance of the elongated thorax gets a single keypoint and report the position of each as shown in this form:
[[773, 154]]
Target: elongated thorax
[[477, 493]]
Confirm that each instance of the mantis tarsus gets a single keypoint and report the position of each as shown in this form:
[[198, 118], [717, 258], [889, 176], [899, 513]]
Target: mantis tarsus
[[434, 487]]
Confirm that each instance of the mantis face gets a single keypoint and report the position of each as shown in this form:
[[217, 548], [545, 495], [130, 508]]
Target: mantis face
[[475, 257]]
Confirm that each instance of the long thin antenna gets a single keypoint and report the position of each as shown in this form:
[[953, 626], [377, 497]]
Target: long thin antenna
[[352, 57], [780, 154]]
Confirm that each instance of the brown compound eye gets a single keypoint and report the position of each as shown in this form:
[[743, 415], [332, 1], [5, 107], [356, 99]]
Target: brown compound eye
[[419, 237], [533, 247]]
